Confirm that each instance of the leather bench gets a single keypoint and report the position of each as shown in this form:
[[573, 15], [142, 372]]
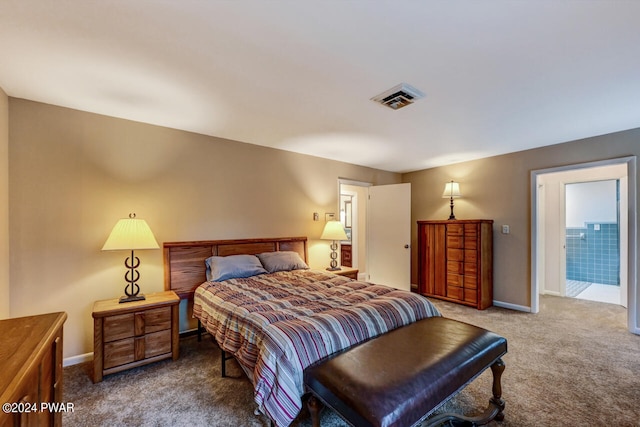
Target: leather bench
[[401, 377]]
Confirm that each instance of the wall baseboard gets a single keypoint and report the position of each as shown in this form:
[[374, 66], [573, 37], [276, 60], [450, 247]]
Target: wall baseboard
[[190, 332], [512, 306], [552, 293], [75, 360]]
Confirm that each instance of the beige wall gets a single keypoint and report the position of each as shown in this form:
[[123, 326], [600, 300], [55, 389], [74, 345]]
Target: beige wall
[[498, 188], [73, 174], [4, 205]]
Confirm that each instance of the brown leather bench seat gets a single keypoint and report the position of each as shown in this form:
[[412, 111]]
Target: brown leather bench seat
[[399, 378]]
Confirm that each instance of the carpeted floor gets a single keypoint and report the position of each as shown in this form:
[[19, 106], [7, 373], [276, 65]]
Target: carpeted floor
[[572, 364]]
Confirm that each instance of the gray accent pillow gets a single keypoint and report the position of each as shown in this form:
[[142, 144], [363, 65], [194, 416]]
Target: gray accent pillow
[[233, 267], [282, 261]]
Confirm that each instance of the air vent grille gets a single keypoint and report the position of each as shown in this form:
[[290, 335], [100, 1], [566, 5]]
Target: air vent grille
[[398, 96]]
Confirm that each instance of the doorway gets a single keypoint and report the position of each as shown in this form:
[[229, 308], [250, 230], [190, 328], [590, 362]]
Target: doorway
[[353, 218], [380, 230], [592, 240], [353, 214], [548, 233]]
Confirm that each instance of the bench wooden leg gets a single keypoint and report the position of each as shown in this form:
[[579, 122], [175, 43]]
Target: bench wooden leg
[[493, 412], [497, 369], [314, 406]]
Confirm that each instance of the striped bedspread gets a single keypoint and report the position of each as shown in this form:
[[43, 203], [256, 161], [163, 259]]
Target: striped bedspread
[[278, 324]]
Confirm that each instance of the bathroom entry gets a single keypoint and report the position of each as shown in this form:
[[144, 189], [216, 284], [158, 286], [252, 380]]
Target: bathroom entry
[[550, 214], [548, 263], [380, 230], [592, 240]]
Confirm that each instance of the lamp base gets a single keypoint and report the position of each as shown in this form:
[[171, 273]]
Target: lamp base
[[333, 268], [452, 216], [131, 298]]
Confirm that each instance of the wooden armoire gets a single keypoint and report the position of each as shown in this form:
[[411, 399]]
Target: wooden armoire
[[455, 261]]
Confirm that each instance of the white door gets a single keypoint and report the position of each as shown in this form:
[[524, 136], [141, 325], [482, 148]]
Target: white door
[[389, 235]]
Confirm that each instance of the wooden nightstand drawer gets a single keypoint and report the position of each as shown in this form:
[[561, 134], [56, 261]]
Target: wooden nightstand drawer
[[130, 350], [119, 352], [157, 343], [118, 327], [134, 333], [157, 320]]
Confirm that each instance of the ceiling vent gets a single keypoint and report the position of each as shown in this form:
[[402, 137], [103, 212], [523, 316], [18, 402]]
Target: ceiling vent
[[398, 96]]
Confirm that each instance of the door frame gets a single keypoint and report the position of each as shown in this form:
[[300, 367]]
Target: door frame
[[355, 226], [536, 258], [363, 269]]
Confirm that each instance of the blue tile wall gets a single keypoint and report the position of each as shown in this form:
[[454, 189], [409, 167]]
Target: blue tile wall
[[593, 255]]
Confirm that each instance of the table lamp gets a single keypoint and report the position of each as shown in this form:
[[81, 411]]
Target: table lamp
[[452, 191], [130, 234], [333, 230]]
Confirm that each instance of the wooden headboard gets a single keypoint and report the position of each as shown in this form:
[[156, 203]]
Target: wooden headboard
[[184, 267]]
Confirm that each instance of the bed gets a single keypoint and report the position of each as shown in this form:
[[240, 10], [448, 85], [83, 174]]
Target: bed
[[279, 322]]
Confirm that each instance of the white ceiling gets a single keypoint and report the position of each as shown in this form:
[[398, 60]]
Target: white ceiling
[[499, 75]]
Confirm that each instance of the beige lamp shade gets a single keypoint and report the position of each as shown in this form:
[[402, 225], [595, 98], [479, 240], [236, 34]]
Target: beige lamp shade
[[130, 233], [333, 230], [451, 190]]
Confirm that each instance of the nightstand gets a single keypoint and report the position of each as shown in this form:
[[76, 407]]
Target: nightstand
[[351, 273], [135, 333]]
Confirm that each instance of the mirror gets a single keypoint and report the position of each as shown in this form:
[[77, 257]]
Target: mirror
[[346, 214]]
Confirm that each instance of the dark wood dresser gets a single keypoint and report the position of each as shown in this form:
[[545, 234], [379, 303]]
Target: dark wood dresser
[[31, 369], [455, 261], [345, 255]]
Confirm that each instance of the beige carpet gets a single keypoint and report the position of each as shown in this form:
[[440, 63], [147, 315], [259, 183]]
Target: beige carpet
[[573, 364]]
